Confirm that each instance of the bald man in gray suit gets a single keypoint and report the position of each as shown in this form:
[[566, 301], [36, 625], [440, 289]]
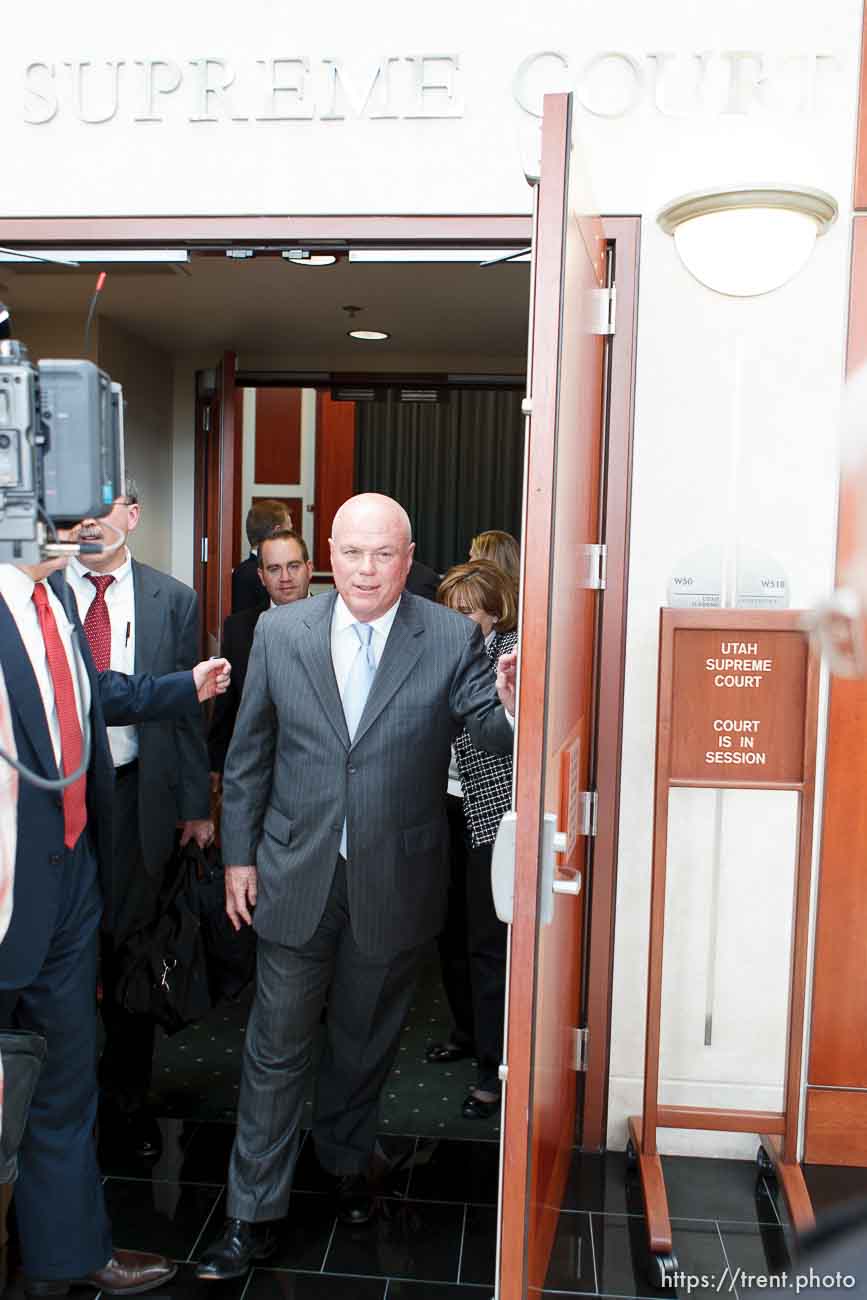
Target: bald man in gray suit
[[335, 787]]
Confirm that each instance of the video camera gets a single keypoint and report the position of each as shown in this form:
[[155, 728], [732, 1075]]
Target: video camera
[[61, 449]]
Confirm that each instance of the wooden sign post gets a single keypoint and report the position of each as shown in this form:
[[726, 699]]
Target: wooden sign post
[[736, 710]]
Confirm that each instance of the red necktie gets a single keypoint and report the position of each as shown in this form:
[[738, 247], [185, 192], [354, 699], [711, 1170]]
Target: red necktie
[[71, 743], [97, 624]]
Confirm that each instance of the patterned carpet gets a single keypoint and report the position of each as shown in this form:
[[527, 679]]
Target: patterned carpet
[[196, 1072]]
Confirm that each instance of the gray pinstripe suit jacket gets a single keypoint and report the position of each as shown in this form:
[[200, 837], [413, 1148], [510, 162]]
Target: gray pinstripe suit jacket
[[292, 775]]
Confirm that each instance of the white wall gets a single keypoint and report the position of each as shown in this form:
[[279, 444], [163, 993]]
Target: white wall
[[146, 376], [785, 112], [696, 403]]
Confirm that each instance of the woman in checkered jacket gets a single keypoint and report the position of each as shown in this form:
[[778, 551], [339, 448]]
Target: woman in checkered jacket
[[473, 945]]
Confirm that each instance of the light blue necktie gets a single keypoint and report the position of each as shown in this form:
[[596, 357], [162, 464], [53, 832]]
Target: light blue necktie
[[357, 689]]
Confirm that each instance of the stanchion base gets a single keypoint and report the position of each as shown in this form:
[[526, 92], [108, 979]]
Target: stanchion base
[[653, 1190], [790, 1178]]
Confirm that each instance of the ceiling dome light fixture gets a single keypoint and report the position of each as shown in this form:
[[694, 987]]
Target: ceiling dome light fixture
[[369, 336], [748, 240]]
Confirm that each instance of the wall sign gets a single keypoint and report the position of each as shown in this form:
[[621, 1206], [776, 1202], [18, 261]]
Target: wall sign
[[217, 89], [738, 700], [293, 87], [730, 682], [697, 579], [679, 83]]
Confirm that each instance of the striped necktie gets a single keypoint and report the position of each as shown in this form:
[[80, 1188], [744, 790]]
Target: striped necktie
[[357, 689]]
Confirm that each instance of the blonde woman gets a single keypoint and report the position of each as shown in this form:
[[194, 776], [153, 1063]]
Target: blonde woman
[[473, 943], [502, 548]]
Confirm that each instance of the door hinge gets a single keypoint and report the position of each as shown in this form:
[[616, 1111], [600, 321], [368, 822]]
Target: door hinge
[[204, 550], [526, 406], [206, 419], [579, 1049], [588, 810], [503, 1072], [593, 567], [603, 310]]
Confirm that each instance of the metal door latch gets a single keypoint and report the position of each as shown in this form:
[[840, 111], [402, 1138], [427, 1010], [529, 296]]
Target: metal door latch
[[503, 868]]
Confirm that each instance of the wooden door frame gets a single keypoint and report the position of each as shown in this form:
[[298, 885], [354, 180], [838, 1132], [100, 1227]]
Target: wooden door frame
[[625, 233], [456, 230]]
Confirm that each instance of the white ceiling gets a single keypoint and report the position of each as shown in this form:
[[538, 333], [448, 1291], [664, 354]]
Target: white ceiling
[[266, 305]]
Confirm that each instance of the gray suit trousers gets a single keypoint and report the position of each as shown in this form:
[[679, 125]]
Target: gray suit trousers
[[368, 999]]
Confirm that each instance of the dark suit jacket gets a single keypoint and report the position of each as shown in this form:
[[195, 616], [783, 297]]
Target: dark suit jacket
[[292, 775], [422, 580], [247, 589], [236, 645], [173, 756], [40, 858]]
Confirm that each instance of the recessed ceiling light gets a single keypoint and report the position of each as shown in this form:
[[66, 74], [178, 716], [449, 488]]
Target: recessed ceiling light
[[437, 254], [369, 336], [119, 255], [310, 259]]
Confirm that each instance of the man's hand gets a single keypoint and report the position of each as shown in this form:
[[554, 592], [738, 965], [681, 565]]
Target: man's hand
[[507, 669], [212, 677], [199, 829], [216, 782], [241, 890]]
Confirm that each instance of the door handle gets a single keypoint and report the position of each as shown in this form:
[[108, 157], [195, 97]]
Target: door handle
[[564, 884], [503, 869]]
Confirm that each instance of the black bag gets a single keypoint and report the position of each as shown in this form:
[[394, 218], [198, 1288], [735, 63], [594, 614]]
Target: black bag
[[190, 958], [22, 1053]]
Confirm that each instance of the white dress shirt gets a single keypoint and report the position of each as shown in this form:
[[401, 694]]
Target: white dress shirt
[[345, 645], [120, 602], [16, 588]]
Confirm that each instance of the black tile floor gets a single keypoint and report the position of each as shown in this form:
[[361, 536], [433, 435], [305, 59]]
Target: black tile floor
[[436, 1232]]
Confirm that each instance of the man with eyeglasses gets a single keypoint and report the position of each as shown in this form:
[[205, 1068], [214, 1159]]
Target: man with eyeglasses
[[285, 571], [138, 619]]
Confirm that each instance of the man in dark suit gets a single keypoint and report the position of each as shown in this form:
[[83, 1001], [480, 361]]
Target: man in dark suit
[[263, 518], [422, 580], [139, 620], [59, 708], [335, 788], [285, 570]]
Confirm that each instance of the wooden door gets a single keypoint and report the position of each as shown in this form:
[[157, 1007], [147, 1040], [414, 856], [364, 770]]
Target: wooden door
[[556, 702], [836, 1119], [217, 490]]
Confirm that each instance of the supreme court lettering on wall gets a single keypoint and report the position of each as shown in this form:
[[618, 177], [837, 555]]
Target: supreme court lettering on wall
[[736, 683]]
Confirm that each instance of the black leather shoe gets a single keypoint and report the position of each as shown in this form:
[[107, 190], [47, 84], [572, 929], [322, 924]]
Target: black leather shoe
[[475, 1108], [445, 1053], [145, 1138], [126, 1273], [356, 1203], [238, 1247], [130, 1132]]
